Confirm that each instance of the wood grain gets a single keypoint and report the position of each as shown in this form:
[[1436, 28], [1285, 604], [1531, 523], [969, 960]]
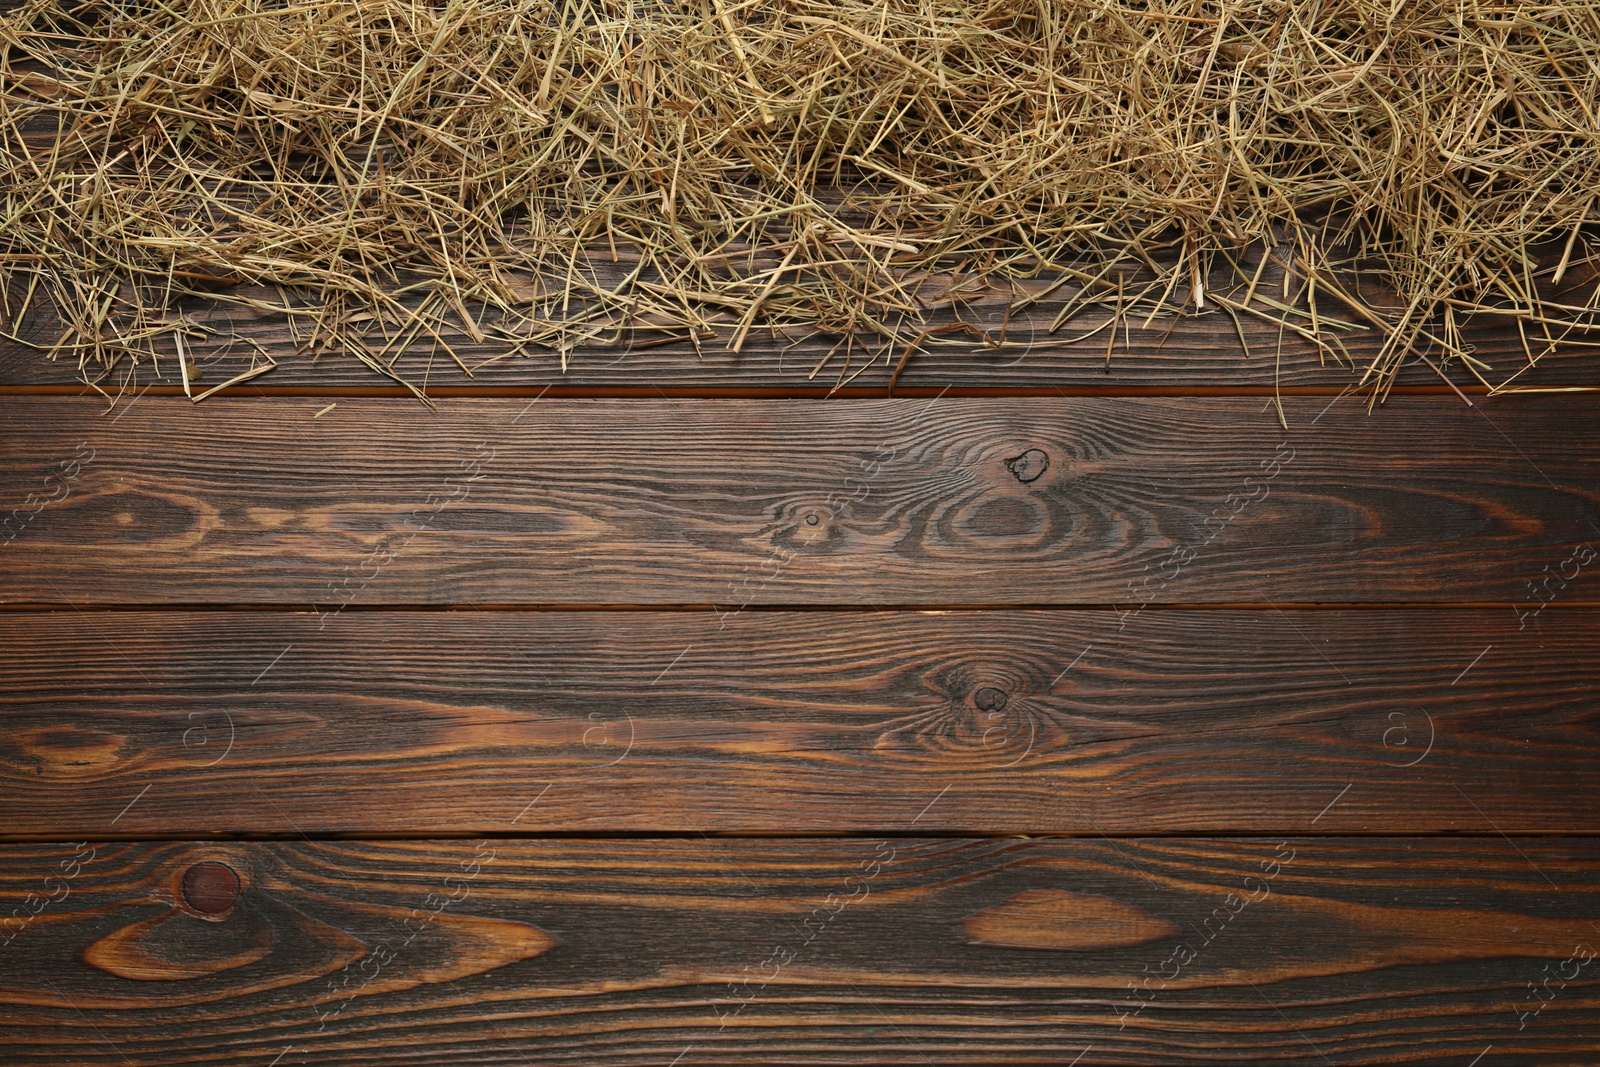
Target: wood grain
[[1017, 351], [896, 950], [943, 502], [1020, 722]]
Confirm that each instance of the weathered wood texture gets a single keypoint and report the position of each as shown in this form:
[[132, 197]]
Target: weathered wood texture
[[364, 718], [1200, 351], [446, 723], [896, 950], [859, 503]]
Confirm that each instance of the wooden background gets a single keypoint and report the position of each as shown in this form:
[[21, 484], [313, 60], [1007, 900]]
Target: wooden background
[[667, 712]]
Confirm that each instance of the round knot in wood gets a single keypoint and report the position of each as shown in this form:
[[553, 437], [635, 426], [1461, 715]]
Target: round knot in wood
[[991, 699], [1028, 466], [210, 887]]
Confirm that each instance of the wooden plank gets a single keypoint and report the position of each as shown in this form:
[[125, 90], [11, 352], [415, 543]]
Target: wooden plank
[[1021, 722], [1202, 351], [895, 949], [939, 502]]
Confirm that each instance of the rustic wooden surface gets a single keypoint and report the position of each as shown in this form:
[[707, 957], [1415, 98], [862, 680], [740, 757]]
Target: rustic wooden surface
[[1023, 722], [902, 948], [1016, 353], [933, 503], [547, 728]]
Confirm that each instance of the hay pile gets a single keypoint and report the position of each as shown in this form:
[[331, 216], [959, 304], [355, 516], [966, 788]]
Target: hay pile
[[562, 174]]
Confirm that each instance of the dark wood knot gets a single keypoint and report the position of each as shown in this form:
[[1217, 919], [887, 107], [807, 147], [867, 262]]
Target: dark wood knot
[[210, 887], [1028, 466], [991, 699]]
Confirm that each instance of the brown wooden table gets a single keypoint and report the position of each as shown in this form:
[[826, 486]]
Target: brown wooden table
[[667, 712]]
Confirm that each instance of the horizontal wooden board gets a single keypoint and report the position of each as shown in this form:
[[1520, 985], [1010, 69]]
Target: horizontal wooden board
[[1079, 722], [707, 950], [940, 502], [1006, 351], [874, 503]]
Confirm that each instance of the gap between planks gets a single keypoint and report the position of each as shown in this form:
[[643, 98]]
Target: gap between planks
[[910, 392], [38, 607], [602, 836]]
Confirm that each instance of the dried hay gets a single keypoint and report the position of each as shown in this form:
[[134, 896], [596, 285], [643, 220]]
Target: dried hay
[[559, 175]]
